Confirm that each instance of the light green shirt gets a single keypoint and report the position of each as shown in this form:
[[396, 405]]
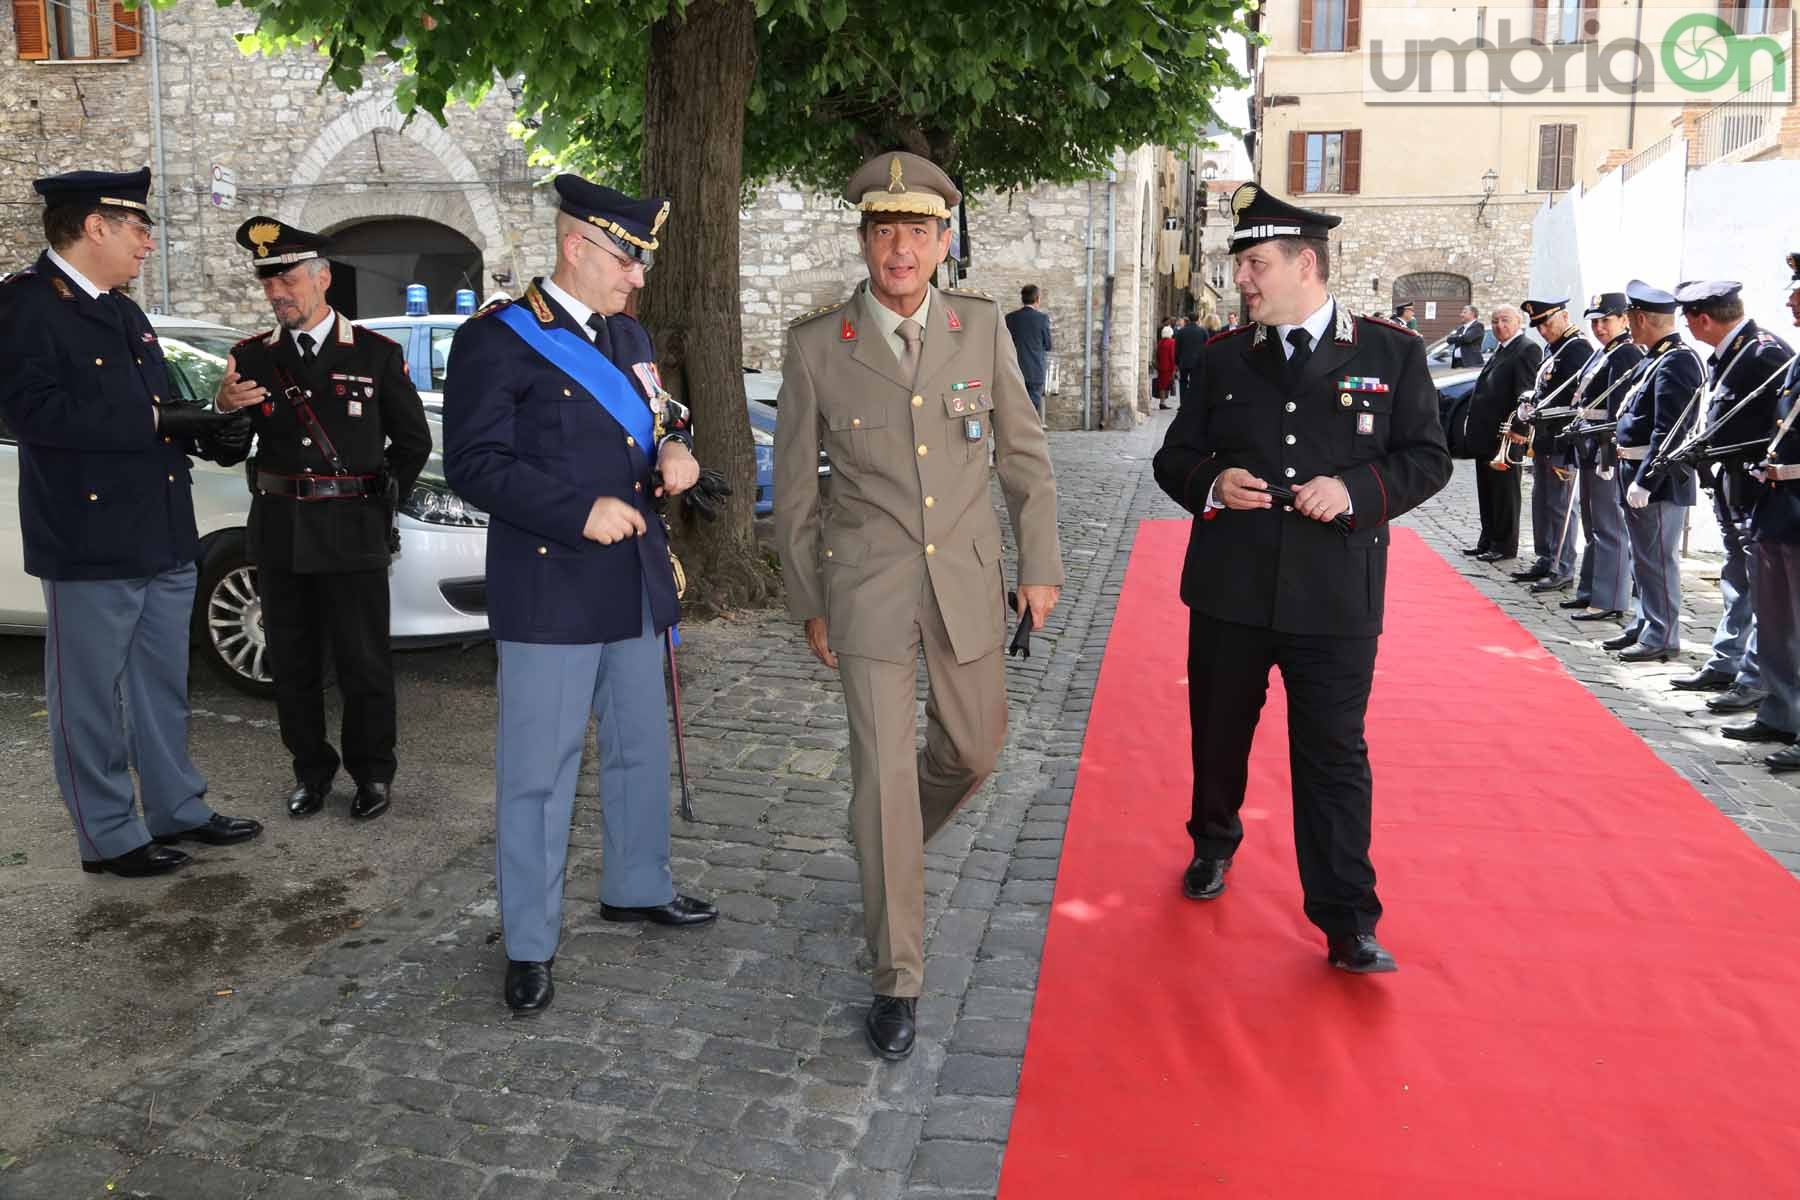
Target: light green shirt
[[888, 321]]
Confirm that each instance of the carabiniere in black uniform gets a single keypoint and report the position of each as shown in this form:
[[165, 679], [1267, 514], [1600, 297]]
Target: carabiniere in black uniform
[[1272, 587], [341, 436]]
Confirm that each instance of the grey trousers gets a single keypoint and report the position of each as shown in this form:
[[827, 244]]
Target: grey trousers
[[1778, 632], [1734, 641], [1606, 558], [1655, 531], [546, 694], [116, 686], [1551, 498]]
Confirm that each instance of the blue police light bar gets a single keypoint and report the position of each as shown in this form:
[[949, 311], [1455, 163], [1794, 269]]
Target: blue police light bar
[[417, 304], [465, 301]]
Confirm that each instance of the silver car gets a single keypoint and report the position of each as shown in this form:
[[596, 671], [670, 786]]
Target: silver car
[[438, 582]]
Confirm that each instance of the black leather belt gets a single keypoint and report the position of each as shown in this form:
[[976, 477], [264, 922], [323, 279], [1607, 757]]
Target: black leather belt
[[316, 487]]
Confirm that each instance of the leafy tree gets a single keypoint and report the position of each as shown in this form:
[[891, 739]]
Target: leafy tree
[[700, 99]]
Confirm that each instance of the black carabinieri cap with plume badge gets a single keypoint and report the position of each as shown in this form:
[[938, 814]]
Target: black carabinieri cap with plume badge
[[277, 247], [1263, 217]]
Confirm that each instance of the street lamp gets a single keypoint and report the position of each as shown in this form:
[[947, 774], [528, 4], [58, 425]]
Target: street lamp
[[1490, 179]]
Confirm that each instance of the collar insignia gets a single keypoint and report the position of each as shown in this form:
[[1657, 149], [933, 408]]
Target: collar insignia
[[1346, 327], [61, 288], [951, 319], [848, 332], [1262, 333], [539, 309]]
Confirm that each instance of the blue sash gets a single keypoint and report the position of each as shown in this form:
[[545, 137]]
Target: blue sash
[[583, 362]]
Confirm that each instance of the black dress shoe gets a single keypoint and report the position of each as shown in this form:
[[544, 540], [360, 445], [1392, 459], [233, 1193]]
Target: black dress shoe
[[1475, 551], [1708, 679], [529, 988], [307, 799], [1644, 654], [1361, 954], [1784, 760], [1531, 573], [371, 801], [1204, 878], [1494, 556], [1609, 614], [147, 859], [218, 831], [1551, 585], [1623, 641], [1738, 699], [682, 910], [1756, 731], [1575, 602], [891, 1026]]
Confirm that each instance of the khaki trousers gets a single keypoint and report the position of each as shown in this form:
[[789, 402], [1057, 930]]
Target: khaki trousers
[[900, 796]]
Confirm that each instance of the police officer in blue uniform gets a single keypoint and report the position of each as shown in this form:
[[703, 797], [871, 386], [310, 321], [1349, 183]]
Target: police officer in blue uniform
[[340, 437], [1775, 527], [107, 517], [1603, 591], [1337, 414], [1742, 360], [555, 423], [1657, 410], [1553, 471]]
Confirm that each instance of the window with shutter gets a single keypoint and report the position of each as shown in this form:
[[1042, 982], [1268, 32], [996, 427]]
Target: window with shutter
[[31, 28], [127, 40], [1324, 24], [1352, 24], [1556, 158]]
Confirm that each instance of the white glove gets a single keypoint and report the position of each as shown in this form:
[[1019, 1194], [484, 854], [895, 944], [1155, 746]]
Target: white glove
[[1636, 496], [1526, 409], [1604, 472]]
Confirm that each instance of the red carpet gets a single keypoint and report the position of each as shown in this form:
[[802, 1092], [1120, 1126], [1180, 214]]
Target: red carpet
[[1599, 986]]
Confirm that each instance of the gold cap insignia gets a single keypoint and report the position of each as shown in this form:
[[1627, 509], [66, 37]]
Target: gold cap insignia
[[663, 215], [262, 235], [1243, 198], [896, 175]]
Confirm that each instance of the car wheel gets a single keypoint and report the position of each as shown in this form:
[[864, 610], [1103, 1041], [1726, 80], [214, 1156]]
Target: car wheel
[[228, 624]]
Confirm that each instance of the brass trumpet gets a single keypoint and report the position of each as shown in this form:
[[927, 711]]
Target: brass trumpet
[[1515, 447]]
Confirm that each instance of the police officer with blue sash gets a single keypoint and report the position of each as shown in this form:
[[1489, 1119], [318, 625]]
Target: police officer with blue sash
[[555, 423], [107, 516], [1775, 527]]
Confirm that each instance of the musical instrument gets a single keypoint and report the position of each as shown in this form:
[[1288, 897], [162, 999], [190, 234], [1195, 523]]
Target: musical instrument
[[1516, 447]]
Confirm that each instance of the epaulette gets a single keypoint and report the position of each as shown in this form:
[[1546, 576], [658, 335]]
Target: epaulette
[[365, 331], [804, 317], [977, 293], [20, 276], [492, 306], [255, 337], [1383, 321], [1230, 331]]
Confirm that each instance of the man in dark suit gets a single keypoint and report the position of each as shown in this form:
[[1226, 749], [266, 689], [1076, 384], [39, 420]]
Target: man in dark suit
[[1504, 379], [341, 435], [1337, 412], [107, 517], [1190, 342], [1743, 359], [556, 424], [1030, 329], [1466, 339]]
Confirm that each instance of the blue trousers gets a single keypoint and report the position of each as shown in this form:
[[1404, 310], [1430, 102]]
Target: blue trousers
[[1734, 641], [1778, 628], [1606, 562], [1655, 531], [1552, 527], [546, 695], [115, 678]]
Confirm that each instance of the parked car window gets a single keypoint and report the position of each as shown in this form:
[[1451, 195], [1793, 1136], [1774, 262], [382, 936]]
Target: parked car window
[[441, 336], [196, 364]]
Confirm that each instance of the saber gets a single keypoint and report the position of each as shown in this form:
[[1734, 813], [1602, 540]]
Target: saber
[[687, 799]]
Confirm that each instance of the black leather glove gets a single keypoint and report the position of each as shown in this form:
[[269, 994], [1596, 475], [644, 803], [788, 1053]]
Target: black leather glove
[[229, 444], [707, 497], [192, 422]]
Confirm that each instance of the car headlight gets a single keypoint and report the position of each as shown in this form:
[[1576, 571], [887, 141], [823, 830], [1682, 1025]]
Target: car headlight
[[434, 503], [761, 437]]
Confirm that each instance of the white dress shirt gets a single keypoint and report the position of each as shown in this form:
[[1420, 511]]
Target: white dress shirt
[[572, 306], [81, 281], [318, 333]]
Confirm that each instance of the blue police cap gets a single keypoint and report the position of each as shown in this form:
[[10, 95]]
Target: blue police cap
[[1538, 311], [1606, 304], [1262, 216], [125, 191], [1702, 291], [1644, 298], [630, 224], [1793, 262]]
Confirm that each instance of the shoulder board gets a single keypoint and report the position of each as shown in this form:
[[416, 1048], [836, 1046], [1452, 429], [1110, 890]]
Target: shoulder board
[[804, 317], [492, 307], [255, 337], [1234, 330], [363, 331], [21, 276], [976, 293], [1384, 322]]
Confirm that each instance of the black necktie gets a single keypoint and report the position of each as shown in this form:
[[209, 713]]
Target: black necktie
[[305, 342], [1301, 341], [597, 323]]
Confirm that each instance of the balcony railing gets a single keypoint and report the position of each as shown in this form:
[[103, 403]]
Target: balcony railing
[[1742, 125], [1643, 158]]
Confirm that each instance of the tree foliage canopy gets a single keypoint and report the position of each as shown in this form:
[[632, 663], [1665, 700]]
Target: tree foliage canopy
[[1004, 93]]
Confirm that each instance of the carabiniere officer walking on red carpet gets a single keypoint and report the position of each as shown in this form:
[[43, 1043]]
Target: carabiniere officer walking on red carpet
[[1311, 430]]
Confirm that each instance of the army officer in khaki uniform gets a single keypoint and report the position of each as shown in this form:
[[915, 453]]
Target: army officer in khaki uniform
[[906, 386]]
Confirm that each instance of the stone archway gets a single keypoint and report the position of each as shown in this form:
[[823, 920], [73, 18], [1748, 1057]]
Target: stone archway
[[1438, 296], [468, 208]]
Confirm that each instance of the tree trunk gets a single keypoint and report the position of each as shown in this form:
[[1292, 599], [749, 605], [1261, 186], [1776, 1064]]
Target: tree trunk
[[701, 67]]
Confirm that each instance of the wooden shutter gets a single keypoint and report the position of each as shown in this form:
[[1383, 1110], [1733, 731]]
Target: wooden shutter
[[1590, 22], [1352, 167], [126, 39], [1565, 158], [1540, 21], [1547, 155], [1306, 25], [1296, 163], [32, 30], [1352, 24]]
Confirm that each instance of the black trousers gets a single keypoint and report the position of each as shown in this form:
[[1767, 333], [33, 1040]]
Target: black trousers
[[351, 609], [1189, 380], [1327, 681], [1497, 493]]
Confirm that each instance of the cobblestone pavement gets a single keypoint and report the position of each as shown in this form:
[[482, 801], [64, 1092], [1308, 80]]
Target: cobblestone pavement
[[729, 1063]]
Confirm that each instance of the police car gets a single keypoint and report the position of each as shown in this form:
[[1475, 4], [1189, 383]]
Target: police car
[[438, 582]]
